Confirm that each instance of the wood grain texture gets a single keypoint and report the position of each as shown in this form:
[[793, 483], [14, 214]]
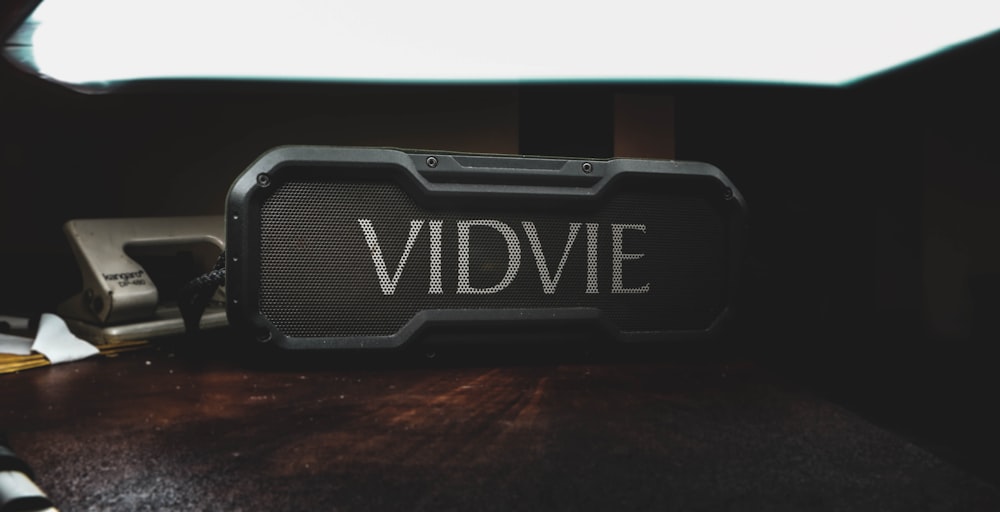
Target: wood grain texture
[[168, 430]]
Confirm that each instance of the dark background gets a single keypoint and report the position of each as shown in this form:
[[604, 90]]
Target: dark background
[[874, 255]]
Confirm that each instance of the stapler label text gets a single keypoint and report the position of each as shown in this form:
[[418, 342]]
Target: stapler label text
[[124, 279]]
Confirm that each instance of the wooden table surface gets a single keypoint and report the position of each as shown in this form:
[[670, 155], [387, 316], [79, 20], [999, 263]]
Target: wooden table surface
[[186, 429]]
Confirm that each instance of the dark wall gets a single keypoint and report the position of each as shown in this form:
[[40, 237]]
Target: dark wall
[[872, 206], [833, 182]]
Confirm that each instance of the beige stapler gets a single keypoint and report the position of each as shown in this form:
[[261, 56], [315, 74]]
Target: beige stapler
[[132, 270]]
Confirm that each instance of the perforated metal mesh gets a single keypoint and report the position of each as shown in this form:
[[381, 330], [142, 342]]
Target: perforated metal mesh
[[318, 276]]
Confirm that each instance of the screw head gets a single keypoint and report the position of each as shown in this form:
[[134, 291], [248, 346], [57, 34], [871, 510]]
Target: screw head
[[432, 161], [263, 180], [587, 167], [727, 193], [263, 335]]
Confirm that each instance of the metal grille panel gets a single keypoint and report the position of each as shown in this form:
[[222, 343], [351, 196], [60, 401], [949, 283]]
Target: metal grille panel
[[318, 276]]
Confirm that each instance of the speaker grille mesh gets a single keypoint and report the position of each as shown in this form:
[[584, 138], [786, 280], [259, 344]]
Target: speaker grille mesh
[[318, 275]]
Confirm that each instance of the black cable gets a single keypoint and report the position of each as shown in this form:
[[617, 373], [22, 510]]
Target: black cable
[[194, 297]]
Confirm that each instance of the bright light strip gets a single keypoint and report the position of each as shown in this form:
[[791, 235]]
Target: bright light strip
[[786, 41]]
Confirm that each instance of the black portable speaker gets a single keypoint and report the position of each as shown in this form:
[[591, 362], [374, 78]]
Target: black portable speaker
[[332, 247]]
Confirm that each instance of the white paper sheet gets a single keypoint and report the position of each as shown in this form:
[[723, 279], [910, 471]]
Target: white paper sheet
[[57, 344], [15, 345]]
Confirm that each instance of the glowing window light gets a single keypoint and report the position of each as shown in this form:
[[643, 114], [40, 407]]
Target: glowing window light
[[829, 43]]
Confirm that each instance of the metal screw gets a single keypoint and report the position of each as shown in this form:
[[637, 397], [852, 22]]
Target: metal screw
[[432, 161], [263, 335], [727, 193], [263, 180], [588, 167]]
